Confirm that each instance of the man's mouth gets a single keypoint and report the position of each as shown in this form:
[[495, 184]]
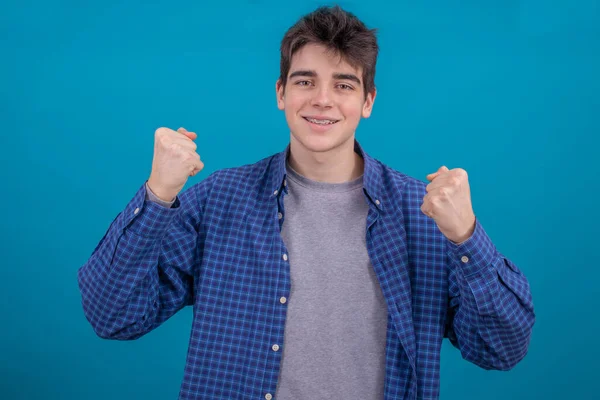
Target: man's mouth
[[320, 121]]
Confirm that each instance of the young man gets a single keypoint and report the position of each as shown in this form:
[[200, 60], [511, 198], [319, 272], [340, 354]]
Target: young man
[[346, 289]]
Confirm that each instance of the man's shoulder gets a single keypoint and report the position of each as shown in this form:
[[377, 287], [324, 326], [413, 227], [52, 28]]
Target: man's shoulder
[[247, 171], [241, 178], [395, 179], [247, 174]]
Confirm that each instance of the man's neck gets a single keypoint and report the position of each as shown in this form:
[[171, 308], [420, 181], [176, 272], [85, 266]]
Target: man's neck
[[341, 164]]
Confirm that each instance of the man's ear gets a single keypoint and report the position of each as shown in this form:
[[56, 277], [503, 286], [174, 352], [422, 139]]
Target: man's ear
[[279, 89], [369, 101]]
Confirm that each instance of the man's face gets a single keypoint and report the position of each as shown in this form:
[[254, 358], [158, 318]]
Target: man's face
[[323, 99]]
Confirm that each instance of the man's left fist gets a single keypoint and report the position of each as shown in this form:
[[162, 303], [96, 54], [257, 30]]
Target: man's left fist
[[448, 203]]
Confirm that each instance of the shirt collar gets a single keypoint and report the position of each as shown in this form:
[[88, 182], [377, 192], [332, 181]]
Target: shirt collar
[[372, 181]]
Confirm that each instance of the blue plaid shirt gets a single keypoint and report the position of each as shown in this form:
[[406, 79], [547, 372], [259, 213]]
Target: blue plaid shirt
[[219, 249]]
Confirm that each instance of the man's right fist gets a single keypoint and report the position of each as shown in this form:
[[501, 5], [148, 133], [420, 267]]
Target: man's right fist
[[175, 159]]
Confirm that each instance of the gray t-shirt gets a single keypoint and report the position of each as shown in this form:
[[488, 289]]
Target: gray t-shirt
[[335, 331]]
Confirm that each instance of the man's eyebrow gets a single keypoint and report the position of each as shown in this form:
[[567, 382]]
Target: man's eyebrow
[[349, 77], [312, 74], [303, 72]]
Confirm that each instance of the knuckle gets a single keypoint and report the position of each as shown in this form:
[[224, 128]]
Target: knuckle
[[164, 141], [160, 131]]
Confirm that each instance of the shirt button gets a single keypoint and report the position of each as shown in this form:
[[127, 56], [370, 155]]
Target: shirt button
[[285, 257], [284, 182], [137, 210], [377, 202], [268, 396], [464, 259], [275, 192], [282, 300], [279, 215], [275, 347]]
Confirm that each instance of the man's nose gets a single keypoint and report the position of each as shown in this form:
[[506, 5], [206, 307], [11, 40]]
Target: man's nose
[[322, 98]]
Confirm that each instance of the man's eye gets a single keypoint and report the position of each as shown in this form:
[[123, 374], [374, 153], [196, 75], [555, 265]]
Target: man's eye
[[345, 86], [303, 83]]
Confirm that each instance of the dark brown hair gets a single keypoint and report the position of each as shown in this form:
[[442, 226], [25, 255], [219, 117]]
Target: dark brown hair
[[342, 33]]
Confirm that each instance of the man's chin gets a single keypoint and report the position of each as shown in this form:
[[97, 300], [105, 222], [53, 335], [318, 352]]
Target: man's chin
[[318, 143]]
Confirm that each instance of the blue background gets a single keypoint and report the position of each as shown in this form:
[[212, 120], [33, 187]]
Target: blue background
[[506, 89]]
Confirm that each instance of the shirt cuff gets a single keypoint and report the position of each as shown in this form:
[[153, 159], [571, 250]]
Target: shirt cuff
[[474, 254], [147, 218], [154, 198]]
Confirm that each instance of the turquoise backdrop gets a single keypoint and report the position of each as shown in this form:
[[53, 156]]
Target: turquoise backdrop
[[506, 89]]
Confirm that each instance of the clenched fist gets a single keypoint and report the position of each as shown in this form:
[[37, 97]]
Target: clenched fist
[[448, 203], [175, 160]]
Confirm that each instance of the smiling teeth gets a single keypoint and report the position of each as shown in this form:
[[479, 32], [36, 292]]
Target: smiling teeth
[[321, 121]]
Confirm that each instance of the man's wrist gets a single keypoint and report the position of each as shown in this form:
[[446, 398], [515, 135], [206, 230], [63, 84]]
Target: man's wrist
[[460, 240], [160, 194]]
